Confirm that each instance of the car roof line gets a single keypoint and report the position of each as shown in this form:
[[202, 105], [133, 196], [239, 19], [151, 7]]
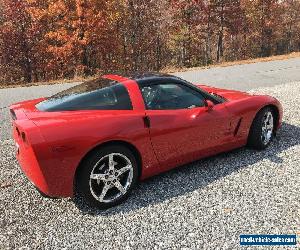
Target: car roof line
[[117, 78], [139, 78]]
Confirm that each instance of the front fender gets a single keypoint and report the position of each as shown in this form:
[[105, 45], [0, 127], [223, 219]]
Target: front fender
[[245, 109]]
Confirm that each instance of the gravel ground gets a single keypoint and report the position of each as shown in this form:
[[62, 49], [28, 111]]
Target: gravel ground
[[204, 205]]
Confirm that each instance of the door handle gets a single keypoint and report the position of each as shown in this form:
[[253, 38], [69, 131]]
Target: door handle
[[146, 120]]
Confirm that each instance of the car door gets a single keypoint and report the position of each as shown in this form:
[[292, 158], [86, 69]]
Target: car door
[[182, 128]]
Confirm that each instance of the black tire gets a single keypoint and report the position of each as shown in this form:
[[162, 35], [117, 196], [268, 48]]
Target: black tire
[[86, 187], [255, 138]]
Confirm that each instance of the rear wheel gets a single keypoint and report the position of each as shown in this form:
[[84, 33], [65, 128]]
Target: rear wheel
[[262, 129], [107, 177]]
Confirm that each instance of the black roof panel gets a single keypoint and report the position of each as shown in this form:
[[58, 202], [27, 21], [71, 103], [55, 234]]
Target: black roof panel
[[149, 77]]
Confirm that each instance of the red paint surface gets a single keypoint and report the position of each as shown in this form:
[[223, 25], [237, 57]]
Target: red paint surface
[[56, 142]]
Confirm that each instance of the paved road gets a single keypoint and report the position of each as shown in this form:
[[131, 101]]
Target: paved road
[[248, 76], [239, 77]]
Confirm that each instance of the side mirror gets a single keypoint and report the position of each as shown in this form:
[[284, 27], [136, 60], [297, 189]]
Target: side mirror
[[209, 105]]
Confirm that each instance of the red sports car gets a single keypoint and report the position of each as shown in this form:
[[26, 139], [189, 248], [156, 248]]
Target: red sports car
[[100, 137]]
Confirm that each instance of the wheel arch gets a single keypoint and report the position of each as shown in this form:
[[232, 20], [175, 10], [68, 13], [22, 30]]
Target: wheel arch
[[98, 147], [276, 111]]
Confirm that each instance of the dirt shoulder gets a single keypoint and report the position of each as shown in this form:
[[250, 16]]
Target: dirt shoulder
[[241, 62], [166, 70]]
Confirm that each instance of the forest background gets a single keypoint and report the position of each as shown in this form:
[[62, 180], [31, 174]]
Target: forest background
[[65, 39]]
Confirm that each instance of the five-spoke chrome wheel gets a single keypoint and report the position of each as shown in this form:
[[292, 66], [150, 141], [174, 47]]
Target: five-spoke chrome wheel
[[263, 128], [107, 176], [111, 177], [267, 128]]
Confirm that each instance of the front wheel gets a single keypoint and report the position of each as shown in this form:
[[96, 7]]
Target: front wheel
[[107, 177], [262, 129]]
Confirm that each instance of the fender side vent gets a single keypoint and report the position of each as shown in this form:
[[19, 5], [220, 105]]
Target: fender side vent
[[238, 127]]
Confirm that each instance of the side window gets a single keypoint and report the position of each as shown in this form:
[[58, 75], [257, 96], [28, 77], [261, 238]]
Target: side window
[[171, 96]]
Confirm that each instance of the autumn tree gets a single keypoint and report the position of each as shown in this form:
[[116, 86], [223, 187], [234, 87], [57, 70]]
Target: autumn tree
[[54, 39], [289, 37], [21, 33], [142, 27]]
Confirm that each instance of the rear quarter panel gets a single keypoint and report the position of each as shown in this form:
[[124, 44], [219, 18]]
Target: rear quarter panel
[[70, 136]]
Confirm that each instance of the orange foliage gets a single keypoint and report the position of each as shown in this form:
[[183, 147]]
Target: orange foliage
[[51, 39]]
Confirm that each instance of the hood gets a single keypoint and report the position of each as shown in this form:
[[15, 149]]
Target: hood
[[230, 95]]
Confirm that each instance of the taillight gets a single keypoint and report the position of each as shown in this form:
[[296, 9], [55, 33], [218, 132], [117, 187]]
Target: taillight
[[13, 114]]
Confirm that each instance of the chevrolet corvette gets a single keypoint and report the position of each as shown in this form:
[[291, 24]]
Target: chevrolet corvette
[[99, 138]]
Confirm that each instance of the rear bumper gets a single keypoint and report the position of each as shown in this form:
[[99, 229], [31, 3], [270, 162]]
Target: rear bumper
[[37, 188], [44, 171], [30, 166], [50, 172]]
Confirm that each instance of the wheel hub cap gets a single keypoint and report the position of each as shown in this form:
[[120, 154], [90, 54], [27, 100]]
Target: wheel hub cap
[[267, 128], [112, 179]]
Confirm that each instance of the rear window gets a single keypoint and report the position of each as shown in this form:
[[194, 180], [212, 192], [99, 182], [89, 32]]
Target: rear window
[[99, 94]]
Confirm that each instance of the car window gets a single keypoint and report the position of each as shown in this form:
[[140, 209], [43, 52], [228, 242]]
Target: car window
[[101, 94], [171, 96]]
